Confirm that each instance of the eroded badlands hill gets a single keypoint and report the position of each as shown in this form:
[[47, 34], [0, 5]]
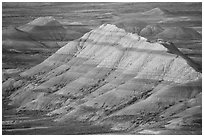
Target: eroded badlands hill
[[158, 23], [43, 32], [47, 30], [109, 76]]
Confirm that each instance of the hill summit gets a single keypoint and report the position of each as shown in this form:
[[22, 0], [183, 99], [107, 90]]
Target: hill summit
[[47, 30], [41, 21], [155, 11], [43, 32], [110, 76]]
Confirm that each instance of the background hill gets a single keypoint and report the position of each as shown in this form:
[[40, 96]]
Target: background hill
[[67, 70]]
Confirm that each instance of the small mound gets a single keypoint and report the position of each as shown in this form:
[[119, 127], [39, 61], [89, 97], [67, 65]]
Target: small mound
[[41, 21], [179, 33], [151, 30], [131, 25], [47, 30], [155, 11]]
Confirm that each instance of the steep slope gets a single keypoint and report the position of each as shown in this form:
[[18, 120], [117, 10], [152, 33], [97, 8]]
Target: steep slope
[[106, 74], [46, 30], [173, 49]]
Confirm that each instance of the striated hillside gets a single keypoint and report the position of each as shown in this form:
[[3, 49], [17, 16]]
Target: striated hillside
[[112, 77]]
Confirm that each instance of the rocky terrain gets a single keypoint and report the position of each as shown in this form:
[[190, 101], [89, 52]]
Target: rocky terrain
[[114, 77], [133, 76]]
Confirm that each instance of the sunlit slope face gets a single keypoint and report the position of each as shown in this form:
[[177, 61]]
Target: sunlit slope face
[[105, 73]]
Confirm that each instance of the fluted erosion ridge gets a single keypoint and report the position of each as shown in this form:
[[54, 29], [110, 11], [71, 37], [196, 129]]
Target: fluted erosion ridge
[[113, 77]]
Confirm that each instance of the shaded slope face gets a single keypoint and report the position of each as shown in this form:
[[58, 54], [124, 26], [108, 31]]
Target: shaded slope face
[[131, 25], [46, 30], [173, 49], [160, 24], [113, 77], [32, 43], [179, 33], [155, 12], [151, 30], [135, 22], [43, 32], [17, 39]]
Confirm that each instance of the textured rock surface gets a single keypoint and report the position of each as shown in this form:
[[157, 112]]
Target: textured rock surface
[[113, 77]]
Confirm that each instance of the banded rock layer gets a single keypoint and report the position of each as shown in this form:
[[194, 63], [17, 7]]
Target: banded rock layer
[[111, 76]]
